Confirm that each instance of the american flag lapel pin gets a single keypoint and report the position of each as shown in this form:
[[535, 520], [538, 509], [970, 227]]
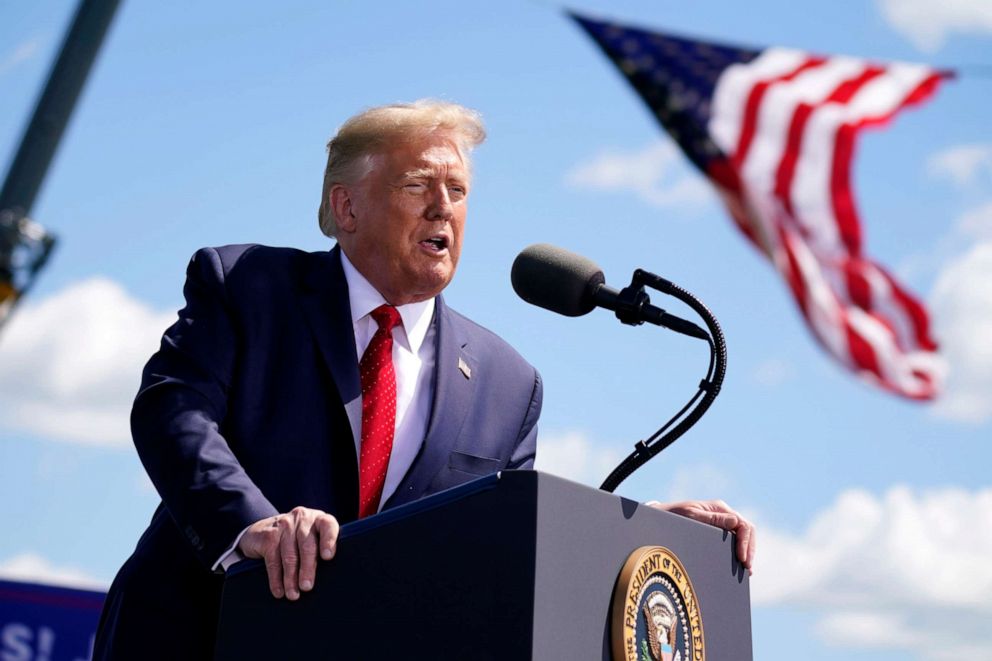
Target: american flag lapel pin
[[465, 369]]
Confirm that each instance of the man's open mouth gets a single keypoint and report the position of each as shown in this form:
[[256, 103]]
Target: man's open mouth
[[435, 243]]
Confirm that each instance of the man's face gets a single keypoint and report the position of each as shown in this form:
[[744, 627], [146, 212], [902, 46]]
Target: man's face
[[401, 226]]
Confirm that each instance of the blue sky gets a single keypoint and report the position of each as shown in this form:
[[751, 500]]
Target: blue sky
[[204, 124]]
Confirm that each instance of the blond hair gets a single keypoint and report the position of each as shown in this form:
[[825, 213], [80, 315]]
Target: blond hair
[[350, 152]]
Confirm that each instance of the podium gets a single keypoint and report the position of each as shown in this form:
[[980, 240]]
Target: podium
[[513, 566]]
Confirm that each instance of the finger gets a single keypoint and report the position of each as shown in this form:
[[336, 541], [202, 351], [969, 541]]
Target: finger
[[262, 541], [715, 513], [306, 542], [749, 547], [719, 506], [745, 543], [273, 568], [726, 520], [289, 558], [752, 549], [327, 529], [743, 537]]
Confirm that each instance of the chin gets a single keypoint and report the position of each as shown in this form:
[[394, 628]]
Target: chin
[[441, 273], [434, 283]]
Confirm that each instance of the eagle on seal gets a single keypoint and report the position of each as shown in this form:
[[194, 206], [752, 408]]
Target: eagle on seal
[[659, 614]]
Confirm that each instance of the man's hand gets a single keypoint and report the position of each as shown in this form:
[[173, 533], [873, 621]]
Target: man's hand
[[289, 544], [716, 513]]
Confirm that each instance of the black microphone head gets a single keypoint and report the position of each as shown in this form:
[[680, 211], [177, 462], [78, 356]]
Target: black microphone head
[[555, 279]]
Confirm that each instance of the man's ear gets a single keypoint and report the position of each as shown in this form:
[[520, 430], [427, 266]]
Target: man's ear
[[342, 203]]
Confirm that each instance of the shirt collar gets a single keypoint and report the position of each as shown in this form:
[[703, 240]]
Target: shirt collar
[[364, 298]]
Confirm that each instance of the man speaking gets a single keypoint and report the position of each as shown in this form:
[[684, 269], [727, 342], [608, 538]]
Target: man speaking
[[298, 391]]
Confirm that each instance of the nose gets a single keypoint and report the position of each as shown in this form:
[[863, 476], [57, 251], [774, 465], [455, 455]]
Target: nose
[[439, 206]]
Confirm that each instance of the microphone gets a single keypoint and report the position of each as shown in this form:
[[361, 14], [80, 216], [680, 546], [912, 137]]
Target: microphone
[[561, 281]]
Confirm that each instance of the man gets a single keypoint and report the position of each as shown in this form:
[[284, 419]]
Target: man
[[259, 425]]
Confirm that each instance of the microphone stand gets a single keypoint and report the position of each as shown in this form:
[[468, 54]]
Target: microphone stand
[[630, 302]]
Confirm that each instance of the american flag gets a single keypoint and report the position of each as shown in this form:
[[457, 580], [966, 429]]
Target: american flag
[[774, 131]]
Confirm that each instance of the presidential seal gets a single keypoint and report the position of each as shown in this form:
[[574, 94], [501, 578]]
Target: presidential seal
[[655, 615]]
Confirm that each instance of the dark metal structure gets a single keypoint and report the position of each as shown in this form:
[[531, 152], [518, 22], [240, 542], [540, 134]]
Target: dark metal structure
[[24, 244]]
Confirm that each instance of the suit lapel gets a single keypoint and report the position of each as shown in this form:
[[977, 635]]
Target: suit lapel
[[328, 311], [453, 392]]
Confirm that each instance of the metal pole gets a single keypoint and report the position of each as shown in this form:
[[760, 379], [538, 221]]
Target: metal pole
[[34, 155]]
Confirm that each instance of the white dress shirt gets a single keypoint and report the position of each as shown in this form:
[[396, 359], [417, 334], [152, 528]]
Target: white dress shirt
[[414, 355], [413, 362]]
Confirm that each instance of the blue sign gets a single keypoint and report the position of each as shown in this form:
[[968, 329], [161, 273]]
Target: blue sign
[[47, 623]]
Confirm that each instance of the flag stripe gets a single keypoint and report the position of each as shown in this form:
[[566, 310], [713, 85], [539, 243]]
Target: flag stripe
[[733, 88], [862, 351], [822, 191], [874, 110], [841, 198], [787, 167], [819, 303], [763, 162], [754, 103], [885, 290]]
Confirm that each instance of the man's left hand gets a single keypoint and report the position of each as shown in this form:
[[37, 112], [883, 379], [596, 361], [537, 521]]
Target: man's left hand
[[716, 513], [289, 544]]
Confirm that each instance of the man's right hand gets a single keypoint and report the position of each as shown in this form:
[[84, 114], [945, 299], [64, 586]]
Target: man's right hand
[[289, 543]]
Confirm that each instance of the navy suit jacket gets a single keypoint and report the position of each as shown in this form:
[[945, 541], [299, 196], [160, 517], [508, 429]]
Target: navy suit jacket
[[240, 416]]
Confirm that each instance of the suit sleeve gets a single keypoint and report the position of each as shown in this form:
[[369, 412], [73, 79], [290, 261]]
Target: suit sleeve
[[178, 413], [526, 448]]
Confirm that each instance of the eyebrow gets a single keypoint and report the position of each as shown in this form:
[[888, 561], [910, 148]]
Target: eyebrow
[[429, 172], [419, 173]]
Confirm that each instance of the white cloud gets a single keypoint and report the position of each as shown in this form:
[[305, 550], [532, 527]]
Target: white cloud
[[961, 301], [962, 163], [658, 174], [966, 639], [72, 362], [965, 165], [699, 482], [961, 298], [573, 456], [928, 23], [774, 372], [32, 568], [906, 571], [21, 53], [977, 223]]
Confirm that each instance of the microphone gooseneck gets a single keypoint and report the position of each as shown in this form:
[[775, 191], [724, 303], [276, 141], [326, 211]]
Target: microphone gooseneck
[[569, 284]]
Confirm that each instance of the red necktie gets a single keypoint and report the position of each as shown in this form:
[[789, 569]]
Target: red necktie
[[378, 410]]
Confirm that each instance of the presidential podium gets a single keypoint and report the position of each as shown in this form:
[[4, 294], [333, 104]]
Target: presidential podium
[[518, 565]]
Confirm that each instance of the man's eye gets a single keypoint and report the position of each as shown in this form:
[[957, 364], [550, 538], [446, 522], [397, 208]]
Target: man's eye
[[414, 187]]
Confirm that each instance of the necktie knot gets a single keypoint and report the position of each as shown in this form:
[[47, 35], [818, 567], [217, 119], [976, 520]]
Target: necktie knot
[[387, 317]]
